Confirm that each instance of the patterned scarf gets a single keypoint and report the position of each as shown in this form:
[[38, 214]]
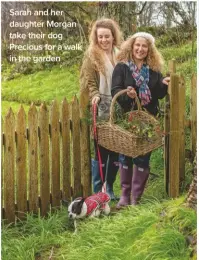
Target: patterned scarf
[[141, 78]]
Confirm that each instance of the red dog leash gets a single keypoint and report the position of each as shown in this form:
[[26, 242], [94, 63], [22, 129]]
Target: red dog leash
[[98, 152]]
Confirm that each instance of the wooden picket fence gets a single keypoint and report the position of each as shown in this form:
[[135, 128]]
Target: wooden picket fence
[[174, 124], [43, 158], [46, 154]]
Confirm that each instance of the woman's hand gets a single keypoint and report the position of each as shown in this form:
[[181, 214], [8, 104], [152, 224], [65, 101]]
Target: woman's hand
[[166, 81], [95, 100], [131, 93]]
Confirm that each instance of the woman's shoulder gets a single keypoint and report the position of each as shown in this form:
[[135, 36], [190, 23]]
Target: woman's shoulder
[[87, 63], [121, 65], [154, 72]]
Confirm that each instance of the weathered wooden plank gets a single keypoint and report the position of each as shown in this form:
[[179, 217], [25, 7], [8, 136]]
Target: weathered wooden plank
[[174, 138], [166, 142], [2, 169], [76, 167], [9, 167], [44, 160], [55, 159], [33, 158], [172, 69], [66, 165], [21, 175], [85, 145], [181, 129], [193, 115]]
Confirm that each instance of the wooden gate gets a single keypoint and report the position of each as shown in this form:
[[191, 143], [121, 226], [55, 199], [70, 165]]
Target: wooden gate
[[175, 123]]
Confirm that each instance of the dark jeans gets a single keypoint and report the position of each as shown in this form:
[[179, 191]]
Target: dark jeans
[[140, 161]]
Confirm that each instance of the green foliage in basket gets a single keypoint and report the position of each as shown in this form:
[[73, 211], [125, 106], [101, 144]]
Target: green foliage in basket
[[140, 128]]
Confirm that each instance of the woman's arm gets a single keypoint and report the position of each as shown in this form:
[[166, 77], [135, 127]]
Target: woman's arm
[[162, 86], [89, 79], [118, 83]]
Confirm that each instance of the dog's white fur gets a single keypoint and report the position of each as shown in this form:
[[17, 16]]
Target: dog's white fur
[[96, 213]]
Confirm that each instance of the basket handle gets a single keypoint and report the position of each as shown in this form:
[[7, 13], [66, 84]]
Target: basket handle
[[111, 120]]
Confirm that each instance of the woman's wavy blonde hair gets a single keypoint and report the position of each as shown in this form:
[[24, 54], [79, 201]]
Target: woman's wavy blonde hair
[[154, 59], [94, 52]]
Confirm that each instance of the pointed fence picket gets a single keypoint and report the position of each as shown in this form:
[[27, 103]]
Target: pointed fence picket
[[44, 159], [55, 155], [41, 159], [21, 177], [85, 144], [33, 159], [9, 166], [66, 164], [76, 168]]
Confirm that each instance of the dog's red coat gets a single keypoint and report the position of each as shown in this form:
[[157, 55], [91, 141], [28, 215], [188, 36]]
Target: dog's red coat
[[96, 201]]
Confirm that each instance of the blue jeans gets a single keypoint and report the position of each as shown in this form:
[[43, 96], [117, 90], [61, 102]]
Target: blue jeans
[[110, 160], [140, 161]]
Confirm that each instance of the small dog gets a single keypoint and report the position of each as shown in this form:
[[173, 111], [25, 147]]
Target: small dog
[[92, 206]]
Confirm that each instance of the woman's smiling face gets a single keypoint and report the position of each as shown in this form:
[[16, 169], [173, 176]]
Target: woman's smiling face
[[140, 49], [105, 39]]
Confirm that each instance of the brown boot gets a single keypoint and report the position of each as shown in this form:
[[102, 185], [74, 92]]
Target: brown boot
[[140, 177]]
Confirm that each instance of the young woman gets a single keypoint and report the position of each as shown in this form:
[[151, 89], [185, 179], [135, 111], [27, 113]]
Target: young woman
[[95, 77], [138, 70]]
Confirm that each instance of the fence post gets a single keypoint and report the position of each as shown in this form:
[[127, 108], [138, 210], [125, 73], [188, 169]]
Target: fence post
[[182, 129], [172, 69], [174, 137], [85, 145], [193, 115]]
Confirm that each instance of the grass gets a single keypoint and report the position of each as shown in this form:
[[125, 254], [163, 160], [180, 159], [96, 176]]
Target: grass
[[157, 229], [149, 231], [5, 106], [181, 53], [42, 86]]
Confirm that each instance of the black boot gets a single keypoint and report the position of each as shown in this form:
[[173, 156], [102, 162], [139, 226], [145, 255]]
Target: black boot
[[111, 172]]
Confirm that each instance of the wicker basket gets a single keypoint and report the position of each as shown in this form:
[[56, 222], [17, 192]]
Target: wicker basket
[[117, 139]]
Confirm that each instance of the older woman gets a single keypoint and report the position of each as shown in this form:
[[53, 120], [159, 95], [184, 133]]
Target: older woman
[[95, 78], [138, 70]]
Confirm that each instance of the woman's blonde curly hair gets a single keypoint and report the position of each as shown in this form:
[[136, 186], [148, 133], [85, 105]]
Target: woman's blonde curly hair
[[154, 59], [94, 52]]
